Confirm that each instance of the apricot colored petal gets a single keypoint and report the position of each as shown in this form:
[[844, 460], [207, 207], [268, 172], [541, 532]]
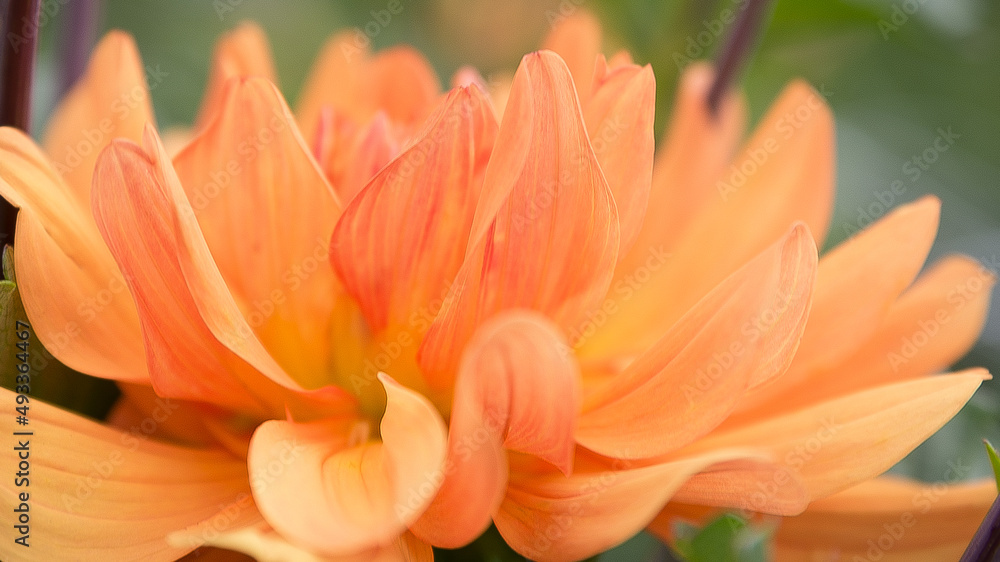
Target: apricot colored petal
[[694, 151], [140, 411], [554, 517], [869, 271], [519, 389], [740, 335], [135, 214], [267, 213], [334, 82], [263, 543], [403, 84], [619, 119], [577, 39], [788, 166], [373, 149], [339, 497], [839, 443], [111, 100], [922, 522], [97, 493], [401, 240], [241, 53], [72, 290], [932, 325], [545, 234]]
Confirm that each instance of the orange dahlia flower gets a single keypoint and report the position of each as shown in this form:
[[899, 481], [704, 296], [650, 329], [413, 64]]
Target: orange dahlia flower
[[386, 324]]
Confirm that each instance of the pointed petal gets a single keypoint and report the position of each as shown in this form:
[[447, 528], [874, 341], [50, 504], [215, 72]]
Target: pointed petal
[[135, 214], [340, 497], [619, 120], [401, 241], [96, 493], [890, 519], [334, 82], [870, 271], [839, 443], [784, 174], [267, 214], [109, 101], [73, 292], [182, 294], [403, 84], [371, 151], [545, 235], [741, 334], [694, 152], [241, 53], [554, 517], [517, 388], [577, 39], [932, 325]]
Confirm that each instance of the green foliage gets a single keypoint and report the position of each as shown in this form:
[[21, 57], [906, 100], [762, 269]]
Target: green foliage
[[51, 381], [994, 461], [727, 538]]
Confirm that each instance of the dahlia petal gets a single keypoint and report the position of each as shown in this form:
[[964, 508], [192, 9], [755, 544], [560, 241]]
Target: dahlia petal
[[839, 443], [517, 388], [399, 242], [71, 287], [932, 325], [340, 497], [243, 52], [263, 543], [374, 148], [141, 412], [135, 214], [871, 271], [554, 517], [694, 152], [791, 160], [740, 335], [96, 493], [545, 234], [333, 83], [202, 285], [403, 84], [890, 519], [109, 101], [267, 213], [619, 120], [577, 39]]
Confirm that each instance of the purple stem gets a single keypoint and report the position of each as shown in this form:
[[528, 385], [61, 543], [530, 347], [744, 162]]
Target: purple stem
[[739, 45], [20, 35], [985, 546]]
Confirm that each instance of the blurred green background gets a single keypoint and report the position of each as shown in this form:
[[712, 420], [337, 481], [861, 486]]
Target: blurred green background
[[894, 73]]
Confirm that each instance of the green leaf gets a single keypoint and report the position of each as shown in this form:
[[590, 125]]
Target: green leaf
[[994, 460], [727, 538]]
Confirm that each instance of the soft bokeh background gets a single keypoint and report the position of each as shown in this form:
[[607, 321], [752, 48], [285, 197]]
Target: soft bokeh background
[[894, 72]]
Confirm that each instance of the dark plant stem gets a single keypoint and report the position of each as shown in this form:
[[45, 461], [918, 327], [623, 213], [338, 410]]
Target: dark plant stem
[[985, 546], [78, 33], [739, 45], [20, 42]]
